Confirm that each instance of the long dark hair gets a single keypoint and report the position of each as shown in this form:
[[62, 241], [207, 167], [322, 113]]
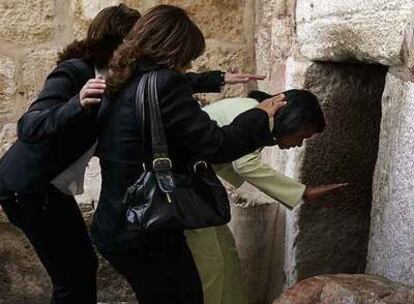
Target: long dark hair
[[302, 110], [165, 35], [105, 34]]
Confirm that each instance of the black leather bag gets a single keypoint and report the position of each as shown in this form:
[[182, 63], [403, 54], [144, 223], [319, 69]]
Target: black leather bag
[[162, 199]]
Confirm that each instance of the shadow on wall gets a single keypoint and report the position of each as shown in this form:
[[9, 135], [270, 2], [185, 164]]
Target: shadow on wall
[[334, 240]]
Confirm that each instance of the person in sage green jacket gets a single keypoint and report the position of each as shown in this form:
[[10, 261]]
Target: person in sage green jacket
[[214, 249]]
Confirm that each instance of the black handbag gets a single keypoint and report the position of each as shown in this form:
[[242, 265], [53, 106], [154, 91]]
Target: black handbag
[[162, 199]]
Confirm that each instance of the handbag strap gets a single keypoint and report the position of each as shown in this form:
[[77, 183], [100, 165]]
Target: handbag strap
[[147, 90]]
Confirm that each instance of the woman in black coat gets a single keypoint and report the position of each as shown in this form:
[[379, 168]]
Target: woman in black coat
[[158, 265], [60, 127]]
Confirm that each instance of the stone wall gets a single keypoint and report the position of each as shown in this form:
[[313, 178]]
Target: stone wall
[[335, 49], [31, 34], [355, 55]]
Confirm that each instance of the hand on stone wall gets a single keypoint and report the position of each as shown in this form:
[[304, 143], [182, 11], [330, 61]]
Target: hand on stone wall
[[314, 194]]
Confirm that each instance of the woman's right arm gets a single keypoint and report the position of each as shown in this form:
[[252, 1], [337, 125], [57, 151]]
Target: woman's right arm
[[58, 105], [188, 125]]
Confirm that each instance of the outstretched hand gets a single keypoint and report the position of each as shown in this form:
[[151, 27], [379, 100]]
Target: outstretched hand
[[272, 105], [237, 78], [313, 194]]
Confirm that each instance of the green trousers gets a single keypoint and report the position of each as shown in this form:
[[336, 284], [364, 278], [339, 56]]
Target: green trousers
[[217, 259]]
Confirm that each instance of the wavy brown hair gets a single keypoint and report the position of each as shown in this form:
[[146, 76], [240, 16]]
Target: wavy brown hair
[[164, 35], [105, 34]]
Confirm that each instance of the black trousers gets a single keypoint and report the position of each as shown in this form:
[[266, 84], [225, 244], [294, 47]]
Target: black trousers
[[160, 270], [55, 227]]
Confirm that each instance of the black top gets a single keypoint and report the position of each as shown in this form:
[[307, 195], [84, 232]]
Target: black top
[[191, 135], [57, 130], [53, 133]]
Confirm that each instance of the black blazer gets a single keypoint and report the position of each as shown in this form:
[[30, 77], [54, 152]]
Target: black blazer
[[56, 130], [191, 136]]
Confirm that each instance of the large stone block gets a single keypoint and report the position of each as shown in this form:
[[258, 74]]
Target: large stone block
[[365, 30], [334, 240], [36, 66], [217, 19], [27, 21], [391, 247], [342, 288], [7, 88]]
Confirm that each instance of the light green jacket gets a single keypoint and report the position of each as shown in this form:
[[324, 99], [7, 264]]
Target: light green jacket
[[214, 249], [250, 168]]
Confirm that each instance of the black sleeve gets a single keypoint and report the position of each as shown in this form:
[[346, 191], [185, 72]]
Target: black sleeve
[[186, 124], [208, 82], [56, 107]]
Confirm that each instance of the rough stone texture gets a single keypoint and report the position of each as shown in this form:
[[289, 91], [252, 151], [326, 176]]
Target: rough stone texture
[[259, 233], [349, 30], [225, 58], [7, 88], [36, 66], [347, 289], [27, 21], [345, 152], [92, 185], [391, 247], [8, 135], [274, 41], [217, 19]]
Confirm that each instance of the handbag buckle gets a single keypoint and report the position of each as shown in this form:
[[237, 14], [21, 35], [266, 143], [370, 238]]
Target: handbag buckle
[[162, 164]]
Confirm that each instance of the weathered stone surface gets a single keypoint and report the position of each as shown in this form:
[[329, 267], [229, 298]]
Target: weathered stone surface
[[92, 185], [8, 135], [259, 233], [347, 289], [391, 247], [217, 19], [218, 57], [36, 66], [27, 21], [346, 152], [7, 88], [274, 41], [349, 30]]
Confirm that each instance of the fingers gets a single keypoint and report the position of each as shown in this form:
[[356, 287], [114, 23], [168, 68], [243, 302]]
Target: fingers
[[333, 187], [233, 77], [90, 101], [92, 92], [270, 106], [280, 97]]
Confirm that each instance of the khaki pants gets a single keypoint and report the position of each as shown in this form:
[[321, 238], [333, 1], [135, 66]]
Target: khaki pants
[[216, 256]]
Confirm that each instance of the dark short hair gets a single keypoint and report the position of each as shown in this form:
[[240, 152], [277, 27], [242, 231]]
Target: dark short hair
[[302, 110]]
